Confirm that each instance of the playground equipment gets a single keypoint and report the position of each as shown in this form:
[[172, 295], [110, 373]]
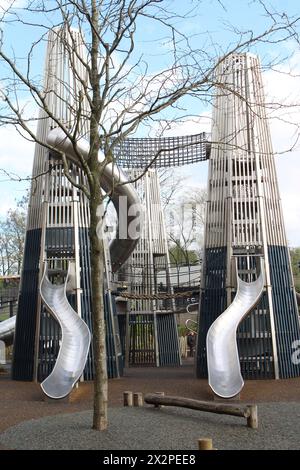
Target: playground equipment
[[244, 411], [57, 233], [75, 342], [8, 302], [244, 226], [223, 363]]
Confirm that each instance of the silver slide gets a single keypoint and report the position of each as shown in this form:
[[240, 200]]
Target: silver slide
[[75, 342], [224, 373], [75, 333], [7, 330], [123, 244]]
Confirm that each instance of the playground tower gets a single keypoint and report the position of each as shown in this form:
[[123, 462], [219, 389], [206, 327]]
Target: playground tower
[[244, 223], [150, 327], [57, 226]]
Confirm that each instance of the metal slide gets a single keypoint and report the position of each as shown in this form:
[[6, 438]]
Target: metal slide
[[75, 333], [75, 342], [123, 244], [7, 330], [224, 373]]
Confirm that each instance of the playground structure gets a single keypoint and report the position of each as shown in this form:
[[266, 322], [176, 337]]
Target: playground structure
[[8, 303], [244, 228], [244, 225], [149, 323], [7, 329], [57, 235], [223, 362], [76, 339]]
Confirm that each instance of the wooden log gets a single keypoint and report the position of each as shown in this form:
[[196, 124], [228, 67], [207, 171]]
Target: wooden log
[[138, 399], [158, 395], [245, 411], [128, 398], [205, 444], [252, 420]]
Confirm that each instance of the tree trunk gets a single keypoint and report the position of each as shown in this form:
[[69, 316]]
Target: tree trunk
[[99, 331]]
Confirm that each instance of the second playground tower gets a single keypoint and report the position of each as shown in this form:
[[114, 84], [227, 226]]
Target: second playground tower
[[244, 223]]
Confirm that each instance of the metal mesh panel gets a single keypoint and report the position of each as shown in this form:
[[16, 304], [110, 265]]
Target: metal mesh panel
[[142, 340], [162, 152], [213, 300], [24, 344], [285, 311]]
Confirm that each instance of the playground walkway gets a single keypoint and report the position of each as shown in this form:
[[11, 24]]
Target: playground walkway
[[22, 402]]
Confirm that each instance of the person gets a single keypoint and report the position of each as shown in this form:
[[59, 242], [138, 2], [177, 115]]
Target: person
[[183, 346], [191, 341]]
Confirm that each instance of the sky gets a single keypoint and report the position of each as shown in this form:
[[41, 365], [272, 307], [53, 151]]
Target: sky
[[208, 28]]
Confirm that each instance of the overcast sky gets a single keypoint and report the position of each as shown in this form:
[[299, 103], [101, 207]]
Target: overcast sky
[[16, 154]]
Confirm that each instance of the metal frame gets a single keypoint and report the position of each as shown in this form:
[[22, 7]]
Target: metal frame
[[162, 152]]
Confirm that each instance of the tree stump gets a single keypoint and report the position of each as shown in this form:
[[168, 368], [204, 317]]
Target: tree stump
[[205, 444], [128, 398], [138, 399]]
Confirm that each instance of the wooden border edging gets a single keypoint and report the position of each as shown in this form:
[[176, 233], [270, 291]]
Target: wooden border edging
[[247, 411]]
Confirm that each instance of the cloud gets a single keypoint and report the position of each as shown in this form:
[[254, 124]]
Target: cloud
[[190, 126], [282, 89], [16, 157], [5, 4], [9, 6], [16, 153]]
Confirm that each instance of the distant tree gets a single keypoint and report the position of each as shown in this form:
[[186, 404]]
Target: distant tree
[[185, 226], [12, 235], [180, 255], [295, 260], [171, 183]]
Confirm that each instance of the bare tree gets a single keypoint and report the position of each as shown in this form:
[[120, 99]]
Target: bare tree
[[124, 92], [185, 226], [171, 181]]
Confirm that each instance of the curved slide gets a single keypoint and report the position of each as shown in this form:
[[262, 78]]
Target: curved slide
[[75, 342], [7, 330], [224, 373], [124, 192], [76, 336]]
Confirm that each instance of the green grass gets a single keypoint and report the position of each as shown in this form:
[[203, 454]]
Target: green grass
[[4, 313], [297, 282]]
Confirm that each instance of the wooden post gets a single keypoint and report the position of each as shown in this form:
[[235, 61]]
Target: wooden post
[[127, 398], [138, 399], [160, 395], [252, 420], [205, 444]]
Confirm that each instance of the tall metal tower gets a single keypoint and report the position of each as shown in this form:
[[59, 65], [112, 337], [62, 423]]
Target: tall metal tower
[[152, 337], [244, 225], [58, 224]]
